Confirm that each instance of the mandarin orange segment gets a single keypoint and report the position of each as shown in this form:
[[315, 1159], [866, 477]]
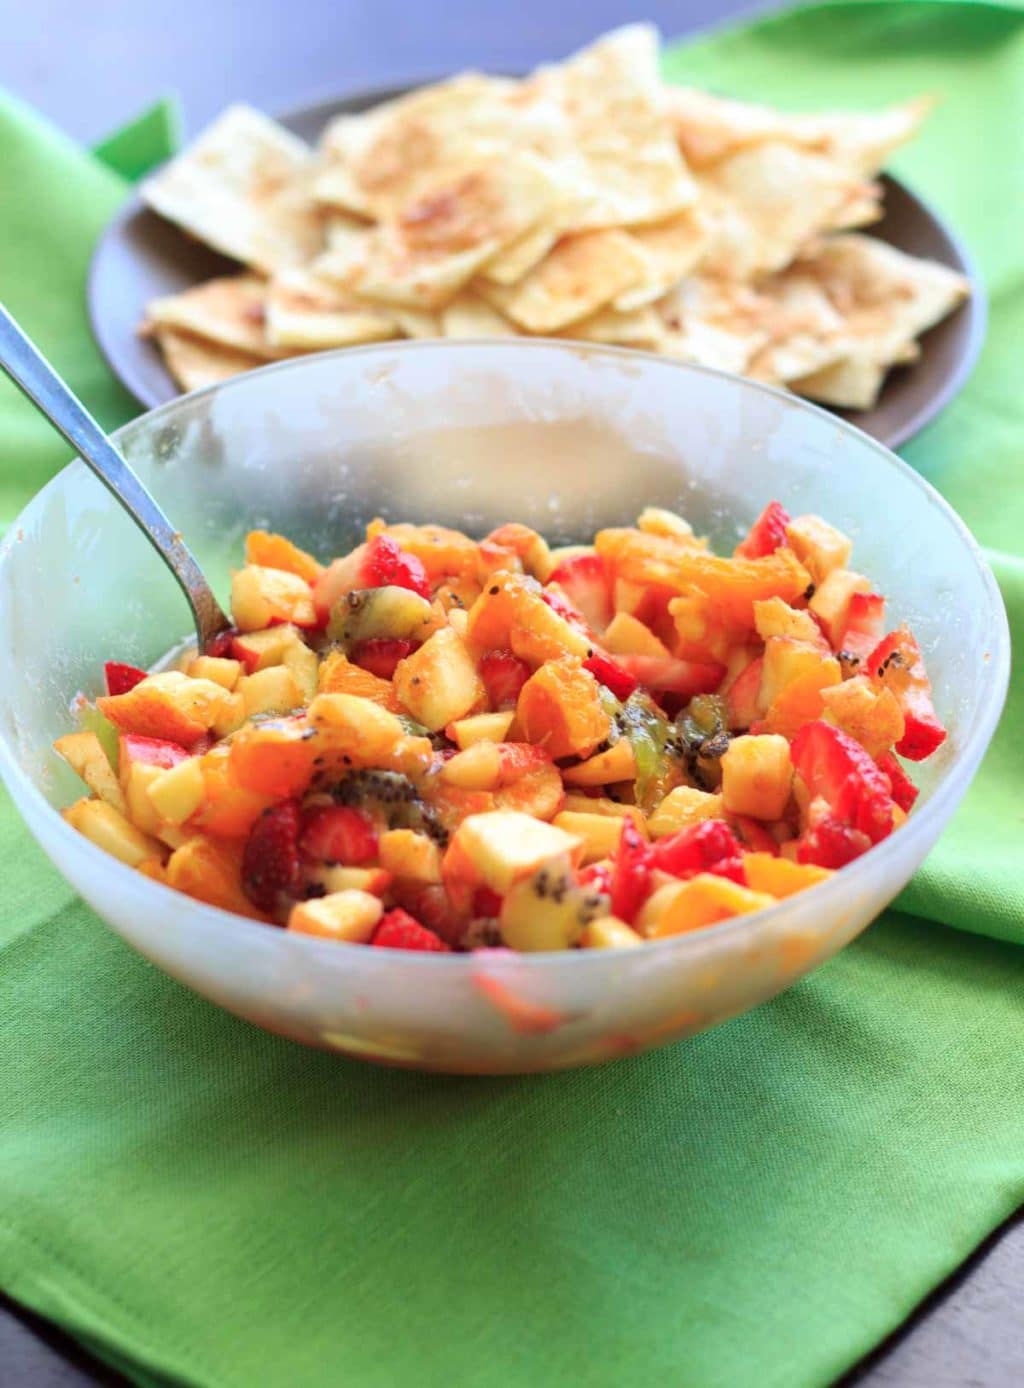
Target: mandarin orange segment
[[560, 709], [273, 551]]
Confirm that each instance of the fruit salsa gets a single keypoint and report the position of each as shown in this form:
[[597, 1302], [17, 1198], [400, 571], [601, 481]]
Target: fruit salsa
[[436, 743]]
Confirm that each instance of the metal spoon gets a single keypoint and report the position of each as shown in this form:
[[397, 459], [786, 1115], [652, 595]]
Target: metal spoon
[[33, 374]]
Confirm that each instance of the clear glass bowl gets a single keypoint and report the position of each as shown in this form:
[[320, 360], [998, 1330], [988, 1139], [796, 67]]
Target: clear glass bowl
[[566, 438]]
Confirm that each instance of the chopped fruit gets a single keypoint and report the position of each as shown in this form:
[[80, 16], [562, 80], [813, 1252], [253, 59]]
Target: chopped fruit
[[391, 613], [682, 677], [778, 876], [504, 675], [626, 636], [210, 872], [151, 751], [380, 655], [231, 808], [896, 663], [604, 769], [743, 701], [801, 700], [818, 545], [631, 874], [271, 868], [399, 930], [481, 727], [335, 878], [582, 803], [549, 909], [177, 793], [443, 553], [766, 534], [337, 834], [339, 578], [274, 690], [831, 843], [338, 675], [110, 830], [405, 853], [120, 678], [831, 601], [221, 644], [866, 712], [754, 836], [439, 683], [703, 900], [256, 650], [84, 753], [710, 846], [486, 903], [516, 547], [349, 917], [541, 632], [154, 869], [219, 669], [681, 807], [757, 776], [274, 758], [354, 727], [386, 564], [598, 876], [261, 597], [600, 833], [271, 551], [494, 850], [612, 675], [489, 620], [585, 582], [560, 709], [837, 769], [608, 932], [776, 618], [865, 623], [304, 666], [785, 660], [168, 706], [654, 520], [902, 788]]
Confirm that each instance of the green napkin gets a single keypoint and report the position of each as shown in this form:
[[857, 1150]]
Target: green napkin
[[206, 1204]]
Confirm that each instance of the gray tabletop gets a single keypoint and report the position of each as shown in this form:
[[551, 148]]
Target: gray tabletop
[[91, 66]]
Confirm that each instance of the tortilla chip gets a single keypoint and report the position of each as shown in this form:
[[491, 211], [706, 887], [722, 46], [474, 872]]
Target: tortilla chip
[[582, 274], [416, 322], [520, 256], [854, 383], [805, 331], [714, 322], [242, 187], [672, 249], [229, 311], [641, 328], [705, 345], [194, 363], [468, 315], [304, 313]]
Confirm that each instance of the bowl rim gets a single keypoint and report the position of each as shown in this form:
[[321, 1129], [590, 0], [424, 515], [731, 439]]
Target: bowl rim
[[953, 784]]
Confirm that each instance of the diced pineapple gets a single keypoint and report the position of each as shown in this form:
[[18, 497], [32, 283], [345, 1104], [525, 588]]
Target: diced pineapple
[[497, 848], [600, 833], [260, 596], [111, 831], [617, 764], [274, 690], [177, 793], [600, 804], [773, 617], [779, 877], [819, 546], [337, 878], [785, 660], [216, 668], [681, 807], [84, 753], [259, 649], [404, 853], [439, 683], [608, 932], [349, 916], [654, 520], [757, 776], [831, 601], [304, 667], [626, 636], [481, 727], [546, 910], [700, 901], [868, 713]]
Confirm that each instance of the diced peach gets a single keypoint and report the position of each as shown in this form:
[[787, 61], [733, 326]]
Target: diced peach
[[517, 548], [802, 700], [559, 709], [84, 753], [489, 620], [604, 769], [757, 776], [338, 675], [354, 727], [154, 869], [743, 697], [256, 650], [439, 683], [179, 791], [231, 804], [785, 660], [216, 668], [274, 690], [867, 712], [778, 876], [110, 830], [261, 597], [538, 633], [681, 807], [170, 706], [347, 916], [404, 853], [271, 551], [818, 545], [624, 635], [231, 716], [831, 601], [210, 872], [304, 668], [136, 779], [702, 900]]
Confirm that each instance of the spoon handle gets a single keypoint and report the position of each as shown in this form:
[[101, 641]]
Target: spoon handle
[[34, 375]]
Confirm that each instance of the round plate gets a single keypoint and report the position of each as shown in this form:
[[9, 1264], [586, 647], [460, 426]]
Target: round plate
[[140, 256]]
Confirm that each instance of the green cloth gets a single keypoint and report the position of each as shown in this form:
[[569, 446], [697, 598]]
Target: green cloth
[[206, 1204]]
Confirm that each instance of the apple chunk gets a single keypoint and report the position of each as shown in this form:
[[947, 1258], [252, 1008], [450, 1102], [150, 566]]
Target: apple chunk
[[111, 831], [500, 847], [439, 683]]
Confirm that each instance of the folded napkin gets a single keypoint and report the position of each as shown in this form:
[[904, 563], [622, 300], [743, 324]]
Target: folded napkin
[[205, 1204]]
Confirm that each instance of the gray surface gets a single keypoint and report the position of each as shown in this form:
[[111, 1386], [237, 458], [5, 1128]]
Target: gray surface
[[91, 66]]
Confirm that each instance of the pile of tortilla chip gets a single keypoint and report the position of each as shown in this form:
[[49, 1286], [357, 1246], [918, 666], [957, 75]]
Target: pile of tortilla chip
[[587, 201]]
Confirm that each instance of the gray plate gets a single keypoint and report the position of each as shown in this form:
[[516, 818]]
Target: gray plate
[[140, 256]]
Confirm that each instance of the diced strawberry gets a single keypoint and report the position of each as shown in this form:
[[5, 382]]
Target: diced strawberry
[[741, 699], [831, 844], [835, 767], [430, 904], [665, 674], [220, 648], [486, 902], [559, 603], [120, 678], [151, 751], [504, 675], [766, 534], [386, 564], [586, 583], [611, 674], [904, 792], [865, 622], [244, 654], [709, 846], [270, 862], [598, 876], [896, 663], [631, 875], [754, 835], [337, 834], [381, 654], [399, 930]]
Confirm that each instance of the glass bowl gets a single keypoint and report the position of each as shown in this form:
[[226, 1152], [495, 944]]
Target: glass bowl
[[566, 438]]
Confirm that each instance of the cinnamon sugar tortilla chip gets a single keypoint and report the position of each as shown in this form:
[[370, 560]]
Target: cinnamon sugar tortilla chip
[[582, 274], [195, 363], [229, 311], [304, 313], [469, 315], [243, 188], [636, 328], [672, 249], [805, 330]]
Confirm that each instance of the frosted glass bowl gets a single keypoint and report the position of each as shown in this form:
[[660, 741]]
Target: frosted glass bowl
[[566, 438]]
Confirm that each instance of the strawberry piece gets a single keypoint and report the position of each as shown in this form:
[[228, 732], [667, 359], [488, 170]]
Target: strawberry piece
[[903, 790], [896, 663], [386, 564], [611, 674], [337, 834], [399, 930], [151, 751], [221, 647], [667, 675], [709, 846], [837, 768], [430, 904], [831, 844], [486, 903], [120, 678], [270, 862], [865, 623], [245, 655], [766, 534], [504, 675], [743, 696], [381, 654], [631, 875], [598, 876], [585, 581]]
